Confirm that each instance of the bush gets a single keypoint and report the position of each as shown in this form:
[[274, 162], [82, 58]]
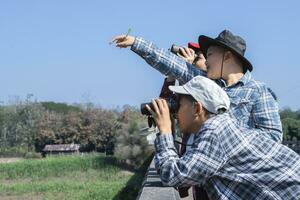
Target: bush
[[32, 155], [13, 152], [132, 148]]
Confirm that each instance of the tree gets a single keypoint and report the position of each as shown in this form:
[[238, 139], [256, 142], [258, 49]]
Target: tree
[[291, 128], [131, 147]]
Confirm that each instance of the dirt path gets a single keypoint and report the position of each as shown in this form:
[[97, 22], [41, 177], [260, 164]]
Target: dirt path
[[10, 160]]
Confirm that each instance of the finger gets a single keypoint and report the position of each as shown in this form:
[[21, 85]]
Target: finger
[[156, 109], [120, 38], [165, 104], [179, 55], [150, 110], [117, 38], [160, 105], [122, 44], [190, 52], [182, 51]]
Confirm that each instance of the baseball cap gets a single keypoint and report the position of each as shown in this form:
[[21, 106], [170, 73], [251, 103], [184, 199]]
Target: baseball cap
[[206, 91]]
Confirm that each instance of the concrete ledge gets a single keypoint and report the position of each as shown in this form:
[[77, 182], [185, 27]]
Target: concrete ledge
[[153, 189]]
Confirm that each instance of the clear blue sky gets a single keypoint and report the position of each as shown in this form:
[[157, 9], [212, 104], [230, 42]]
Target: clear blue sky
[[58, 50]]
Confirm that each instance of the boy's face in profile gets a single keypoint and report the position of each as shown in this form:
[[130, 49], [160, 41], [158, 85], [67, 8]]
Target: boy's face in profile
[[186, 114]]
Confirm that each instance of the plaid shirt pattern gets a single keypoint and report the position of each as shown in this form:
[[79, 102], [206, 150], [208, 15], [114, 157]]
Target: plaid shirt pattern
[[231, 162], [252, 103]]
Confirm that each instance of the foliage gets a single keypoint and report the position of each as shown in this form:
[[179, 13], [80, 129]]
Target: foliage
[[290, 124], [132, 147], [30, 125]]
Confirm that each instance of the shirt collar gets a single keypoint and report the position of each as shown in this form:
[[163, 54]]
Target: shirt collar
[[244, 80]]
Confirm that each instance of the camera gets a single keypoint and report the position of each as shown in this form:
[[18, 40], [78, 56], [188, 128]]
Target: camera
[[172, 104], [175, 49]]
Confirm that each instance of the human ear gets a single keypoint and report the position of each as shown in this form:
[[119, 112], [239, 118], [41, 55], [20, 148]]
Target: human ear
[[198, 108]]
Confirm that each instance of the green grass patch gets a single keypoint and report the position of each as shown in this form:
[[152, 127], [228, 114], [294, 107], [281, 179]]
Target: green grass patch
[[68, 177]]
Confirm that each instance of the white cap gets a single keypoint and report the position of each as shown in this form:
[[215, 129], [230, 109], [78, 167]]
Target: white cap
[[206, 91]]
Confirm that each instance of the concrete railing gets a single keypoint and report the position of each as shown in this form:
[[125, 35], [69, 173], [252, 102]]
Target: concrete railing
[[153, 189]]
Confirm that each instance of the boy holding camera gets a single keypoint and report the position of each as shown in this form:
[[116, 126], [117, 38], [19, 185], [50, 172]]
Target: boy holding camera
[[228, 160]]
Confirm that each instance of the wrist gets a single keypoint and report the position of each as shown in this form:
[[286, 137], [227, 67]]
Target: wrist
[[135, 43], [133, 40], [165, 131]]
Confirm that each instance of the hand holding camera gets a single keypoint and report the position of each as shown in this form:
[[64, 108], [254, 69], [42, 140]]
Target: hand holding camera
[[186, 53], [161, 114]]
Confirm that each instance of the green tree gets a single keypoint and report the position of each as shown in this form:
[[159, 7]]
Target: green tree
[[291, 128], [132, 148]]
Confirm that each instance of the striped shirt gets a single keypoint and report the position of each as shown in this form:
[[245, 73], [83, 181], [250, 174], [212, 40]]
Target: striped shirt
[[231, 162], [252, 103]]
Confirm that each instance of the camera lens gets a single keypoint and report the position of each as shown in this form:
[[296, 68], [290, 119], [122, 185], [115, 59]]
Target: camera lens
[[172, 104], [175, 49], [144, 110]]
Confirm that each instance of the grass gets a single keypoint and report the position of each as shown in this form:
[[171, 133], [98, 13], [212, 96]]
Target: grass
[[68, 177]]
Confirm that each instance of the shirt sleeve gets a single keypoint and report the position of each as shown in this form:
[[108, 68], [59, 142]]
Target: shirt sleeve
[[165, 61], [196, 166], [266, 115]]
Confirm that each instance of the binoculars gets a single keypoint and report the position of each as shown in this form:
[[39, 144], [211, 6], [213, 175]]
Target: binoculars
[[173, 105]]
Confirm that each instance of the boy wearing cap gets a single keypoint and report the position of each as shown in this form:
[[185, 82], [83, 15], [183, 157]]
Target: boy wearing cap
[[251, 101], [193, 55], [228, 160]]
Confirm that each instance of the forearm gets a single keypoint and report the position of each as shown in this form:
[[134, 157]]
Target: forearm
[[168, 163], [193, 168], [165, 62]]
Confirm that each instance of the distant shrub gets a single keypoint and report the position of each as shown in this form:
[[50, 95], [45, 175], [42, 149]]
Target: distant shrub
[[32, 155], [132, 148], [12, 151]]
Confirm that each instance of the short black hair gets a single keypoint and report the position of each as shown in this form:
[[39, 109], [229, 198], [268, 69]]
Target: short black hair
[[187, 96], [192, 100]]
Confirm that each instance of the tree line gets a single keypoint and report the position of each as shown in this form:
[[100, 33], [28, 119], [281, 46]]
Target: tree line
[[27, 126], [290, 124]]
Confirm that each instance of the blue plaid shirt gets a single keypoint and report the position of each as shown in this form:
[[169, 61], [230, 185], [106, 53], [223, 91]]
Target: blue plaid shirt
[[231, 162], [252, 103]]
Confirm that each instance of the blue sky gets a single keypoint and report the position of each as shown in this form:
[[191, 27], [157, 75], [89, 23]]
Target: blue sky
[[58, 50]]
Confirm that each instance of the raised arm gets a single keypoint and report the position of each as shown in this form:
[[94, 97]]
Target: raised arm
[[160, 59]]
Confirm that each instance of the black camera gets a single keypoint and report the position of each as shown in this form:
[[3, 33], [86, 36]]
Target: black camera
[[172, 104], [175, 49]]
